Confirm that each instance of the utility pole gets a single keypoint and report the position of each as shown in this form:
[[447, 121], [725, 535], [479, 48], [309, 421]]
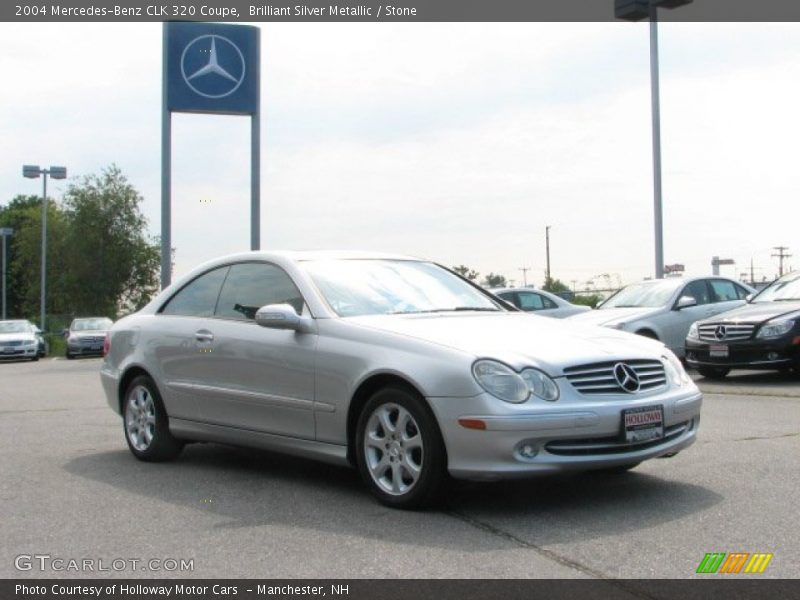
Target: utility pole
[[524, 275], [547, 248], [781, 255], [752, 273]]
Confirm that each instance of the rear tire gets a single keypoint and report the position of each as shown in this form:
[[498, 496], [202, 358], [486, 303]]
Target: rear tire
[[146, 424], [399, 449], [713, 372]]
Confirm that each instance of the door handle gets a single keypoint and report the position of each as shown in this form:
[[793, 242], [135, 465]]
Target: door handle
[[204, 336]]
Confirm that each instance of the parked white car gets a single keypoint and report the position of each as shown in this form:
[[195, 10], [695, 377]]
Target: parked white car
[[664, 309], [539, 302]]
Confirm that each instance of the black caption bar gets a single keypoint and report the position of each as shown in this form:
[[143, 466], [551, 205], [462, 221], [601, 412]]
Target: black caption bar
[[406, 589], [398, 10]]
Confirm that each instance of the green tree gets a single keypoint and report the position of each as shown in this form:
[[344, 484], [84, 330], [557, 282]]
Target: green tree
[[554, 286], [24, 215], [113, 265], [493, 280], [466, 272], [588, 299]]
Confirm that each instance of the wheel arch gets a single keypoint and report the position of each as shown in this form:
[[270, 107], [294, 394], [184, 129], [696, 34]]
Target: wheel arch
[[648, 332], [364, 392], [129, 375]]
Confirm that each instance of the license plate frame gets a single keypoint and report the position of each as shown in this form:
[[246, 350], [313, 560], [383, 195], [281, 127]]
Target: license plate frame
[[643, 424], [718, 351]]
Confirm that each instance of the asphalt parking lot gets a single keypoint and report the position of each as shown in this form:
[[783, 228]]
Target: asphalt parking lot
[[71, 490]]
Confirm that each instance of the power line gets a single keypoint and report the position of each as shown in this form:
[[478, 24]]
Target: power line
[[781, 255]]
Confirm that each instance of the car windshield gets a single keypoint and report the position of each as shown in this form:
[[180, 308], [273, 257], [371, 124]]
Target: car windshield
[[100, 324], [784, 289], [386, 287], [14, 327], [645, 294]]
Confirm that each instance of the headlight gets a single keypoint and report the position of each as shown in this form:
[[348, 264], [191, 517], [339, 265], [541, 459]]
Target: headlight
[[540, 385], [620, 326], [30, 342], [693, 335], [674, 369], [500, 381], [775, 329]]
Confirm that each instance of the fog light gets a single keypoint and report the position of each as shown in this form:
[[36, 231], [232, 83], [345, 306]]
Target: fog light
[[773, 356], [528, 451]]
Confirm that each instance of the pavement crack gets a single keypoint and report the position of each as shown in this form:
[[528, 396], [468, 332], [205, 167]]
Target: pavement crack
[[549, 554]]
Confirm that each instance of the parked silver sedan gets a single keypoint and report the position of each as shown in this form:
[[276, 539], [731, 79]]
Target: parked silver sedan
[[392, 364], [539, 302], [664, 309]]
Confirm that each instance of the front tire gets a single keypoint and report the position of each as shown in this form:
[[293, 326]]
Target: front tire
[[146, 424], [713, 372], [399, 449]]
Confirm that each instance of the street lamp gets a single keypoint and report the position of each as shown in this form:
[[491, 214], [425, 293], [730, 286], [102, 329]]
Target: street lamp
[[33, 172], [4, 233], [636, 10]]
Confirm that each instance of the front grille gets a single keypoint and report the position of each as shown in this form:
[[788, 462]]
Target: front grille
[[11, 343], [612, 445], [598, 378], [725, 332], [92, 339]]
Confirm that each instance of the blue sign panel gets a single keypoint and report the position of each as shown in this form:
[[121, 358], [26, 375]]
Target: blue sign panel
[[212, 68]]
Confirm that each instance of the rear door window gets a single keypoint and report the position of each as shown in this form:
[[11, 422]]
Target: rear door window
[[724, 291], [529, 301]]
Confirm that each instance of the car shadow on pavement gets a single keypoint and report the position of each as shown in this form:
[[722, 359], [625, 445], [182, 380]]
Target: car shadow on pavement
[[251, 488]]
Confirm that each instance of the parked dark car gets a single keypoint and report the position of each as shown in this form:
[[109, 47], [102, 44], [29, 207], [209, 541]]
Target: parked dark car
[[762, 334], [86, 336]]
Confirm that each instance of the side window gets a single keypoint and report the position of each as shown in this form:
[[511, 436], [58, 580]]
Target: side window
[[510, 297], [699, 291], [250, 286], [548, 303], [724, 291], [742, 292], [198, 297], [529, 301]]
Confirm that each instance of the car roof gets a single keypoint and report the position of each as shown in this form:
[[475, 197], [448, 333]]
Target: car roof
[[303, 255]]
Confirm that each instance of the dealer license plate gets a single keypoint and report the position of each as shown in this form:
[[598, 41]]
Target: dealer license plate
[[643, 424], [718, 350]]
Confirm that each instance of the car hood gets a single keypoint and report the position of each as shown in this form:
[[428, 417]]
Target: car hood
[[518, 339], [755, 313], [10, 337], [611, 316]]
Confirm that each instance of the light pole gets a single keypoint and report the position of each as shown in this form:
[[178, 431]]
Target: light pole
[[4, 233], [33, 172], [547, 249], [636, 10]]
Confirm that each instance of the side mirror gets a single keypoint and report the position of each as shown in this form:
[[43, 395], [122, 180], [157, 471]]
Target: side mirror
[[749, 298], [65, 333], [685, 302], [282, 316]]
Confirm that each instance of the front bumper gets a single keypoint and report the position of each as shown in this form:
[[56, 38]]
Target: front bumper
[[574, 433], [12, 352], [747, 354], [85, 349]]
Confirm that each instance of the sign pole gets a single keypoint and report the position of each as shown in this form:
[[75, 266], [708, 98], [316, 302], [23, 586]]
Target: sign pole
[[255, 181], [166, 171], [5, 251]]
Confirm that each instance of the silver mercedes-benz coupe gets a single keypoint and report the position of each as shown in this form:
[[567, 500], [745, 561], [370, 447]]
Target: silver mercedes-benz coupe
[[395, 365]]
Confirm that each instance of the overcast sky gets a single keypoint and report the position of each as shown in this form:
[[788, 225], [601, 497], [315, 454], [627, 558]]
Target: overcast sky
[[456, 142]]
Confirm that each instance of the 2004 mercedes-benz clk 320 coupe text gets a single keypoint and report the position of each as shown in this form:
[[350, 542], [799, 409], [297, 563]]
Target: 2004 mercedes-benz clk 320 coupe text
[[395, 365]]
